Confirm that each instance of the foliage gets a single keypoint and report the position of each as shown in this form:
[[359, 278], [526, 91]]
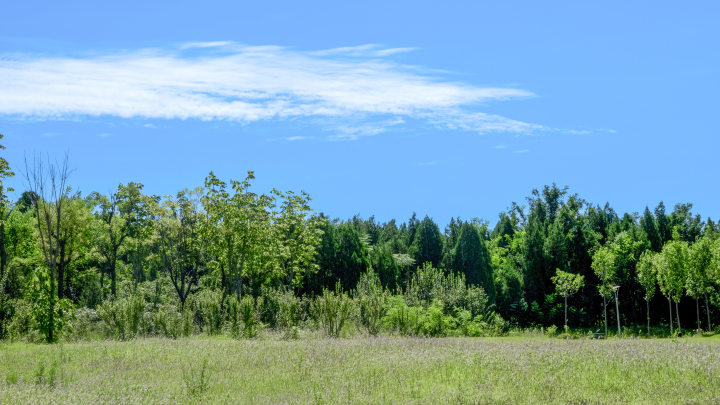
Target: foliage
[[50, 315], [332, 310]]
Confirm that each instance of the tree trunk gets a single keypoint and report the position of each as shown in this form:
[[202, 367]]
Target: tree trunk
[[671, 330], [61, 276], [707, 309], [112, 279], [697, 304], [565, 312], [605, 308], [677, 312], [648, 315]]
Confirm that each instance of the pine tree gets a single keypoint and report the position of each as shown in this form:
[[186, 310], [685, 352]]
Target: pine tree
[[428, 243], [647, 222], [471, 258], [663, 223]]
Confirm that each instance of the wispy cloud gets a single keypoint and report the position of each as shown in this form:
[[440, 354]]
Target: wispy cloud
[[213, 44], [104, 135], [521, 151], [297, 138], [248, 84], [499, 147]]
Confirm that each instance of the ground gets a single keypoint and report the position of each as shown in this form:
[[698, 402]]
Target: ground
[[518, 370]]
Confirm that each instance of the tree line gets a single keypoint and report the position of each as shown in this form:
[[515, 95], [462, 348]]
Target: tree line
[[556, 258]]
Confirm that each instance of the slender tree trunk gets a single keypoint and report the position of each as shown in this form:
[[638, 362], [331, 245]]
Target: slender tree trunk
[[697, 304], [112, 279], [671, 330], [677, 312], [61, 276], [648, 315], [605, 308], [566, 312], [707, 310]]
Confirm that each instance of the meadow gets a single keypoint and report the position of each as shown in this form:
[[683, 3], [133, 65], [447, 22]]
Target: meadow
[[363, 370]]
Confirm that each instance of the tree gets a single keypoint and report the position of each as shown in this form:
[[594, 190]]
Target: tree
[[5, 210], [428, 243], [672, 272], [663, 223], [181, 247], [567, 284], [647, 276], [647, 222], [471, 258], [47, 183], [698, 275], [121, 216], [296, 236], [604, 266]]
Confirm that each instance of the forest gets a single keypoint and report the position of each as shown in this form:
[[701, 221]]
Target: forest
[[222, 259]]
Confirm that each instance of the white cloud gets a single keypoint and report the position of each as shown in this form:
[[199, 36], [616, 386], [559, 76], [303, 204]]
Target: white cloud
[[297, 138], [248, 84], [499, 147], [521, 151], [205, 44], [104, 135]]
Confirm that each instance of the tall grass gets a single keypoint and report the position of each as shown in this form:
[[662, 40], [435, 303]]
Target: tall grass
[[384, 370]]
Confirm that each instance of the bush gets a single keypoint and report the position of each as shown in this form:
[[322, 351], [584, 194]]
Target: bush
[[243, 317], [371, 300], [209, 305], [332, 310], [290, 315], [122, 317], [402, 318]]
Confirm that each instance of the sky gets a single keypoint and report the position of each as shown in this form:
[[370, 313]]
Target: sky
[[447, 109]]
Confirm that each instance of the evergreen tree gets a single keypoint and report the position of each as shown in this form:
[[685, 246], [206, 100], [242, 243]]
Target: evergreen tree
[[536, 284], [351, 257], [663, 223], [647, 222], [471, 258], [428, 243]]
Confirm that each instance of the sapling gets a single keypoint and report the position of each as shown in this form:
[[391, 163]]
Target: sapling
[[647, 276], [567, 284], [604, 266]]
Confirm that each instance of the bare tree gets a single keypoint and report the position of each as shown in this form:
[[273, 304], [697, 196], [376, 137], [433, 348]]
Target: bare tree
[[47, 183]]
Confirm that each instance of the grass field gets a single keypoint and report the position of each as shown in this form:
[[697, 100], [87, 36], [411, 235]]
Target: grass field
[[363, 371]]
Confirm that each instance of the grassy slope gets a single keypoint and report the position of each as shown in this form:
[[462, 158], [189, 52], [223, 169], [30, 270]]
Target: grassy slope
[[382, 370]]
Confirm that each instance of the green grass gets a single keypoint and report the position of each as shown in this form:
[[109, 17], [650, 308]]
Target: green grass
[[517, 370]]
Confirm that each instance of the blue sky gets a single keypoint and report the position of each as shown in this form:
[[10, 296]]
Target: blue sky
[[385, 108]]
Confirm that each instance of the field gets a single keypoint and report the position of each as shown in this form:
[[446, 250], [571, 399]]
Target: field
[[363, 371]]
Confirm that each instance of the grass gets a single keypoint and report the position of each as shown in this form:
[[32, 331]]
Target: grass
[[516, 370]]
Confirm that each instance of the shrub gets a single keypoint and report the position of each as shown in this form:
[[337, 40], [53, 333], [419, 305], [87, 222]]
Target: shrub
[[371, 299], [400, 317], [209, 305], [332, 309], [122, 317], [243, 316]]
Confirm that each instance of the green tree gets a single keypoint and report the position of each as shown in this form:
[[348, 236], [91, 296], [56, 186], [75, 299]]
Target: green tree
[[181, 247], [567, 284], [647, 277], [672, 272], [296, 237], [647, 222], [5, 209], [428, 243], [698, 275], [471, 258], [605, 268], [120, 216]]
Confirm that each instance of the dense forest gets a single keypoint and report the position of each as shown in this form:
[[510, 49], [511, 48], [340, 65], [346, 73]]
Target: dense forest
[[220, 257]]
